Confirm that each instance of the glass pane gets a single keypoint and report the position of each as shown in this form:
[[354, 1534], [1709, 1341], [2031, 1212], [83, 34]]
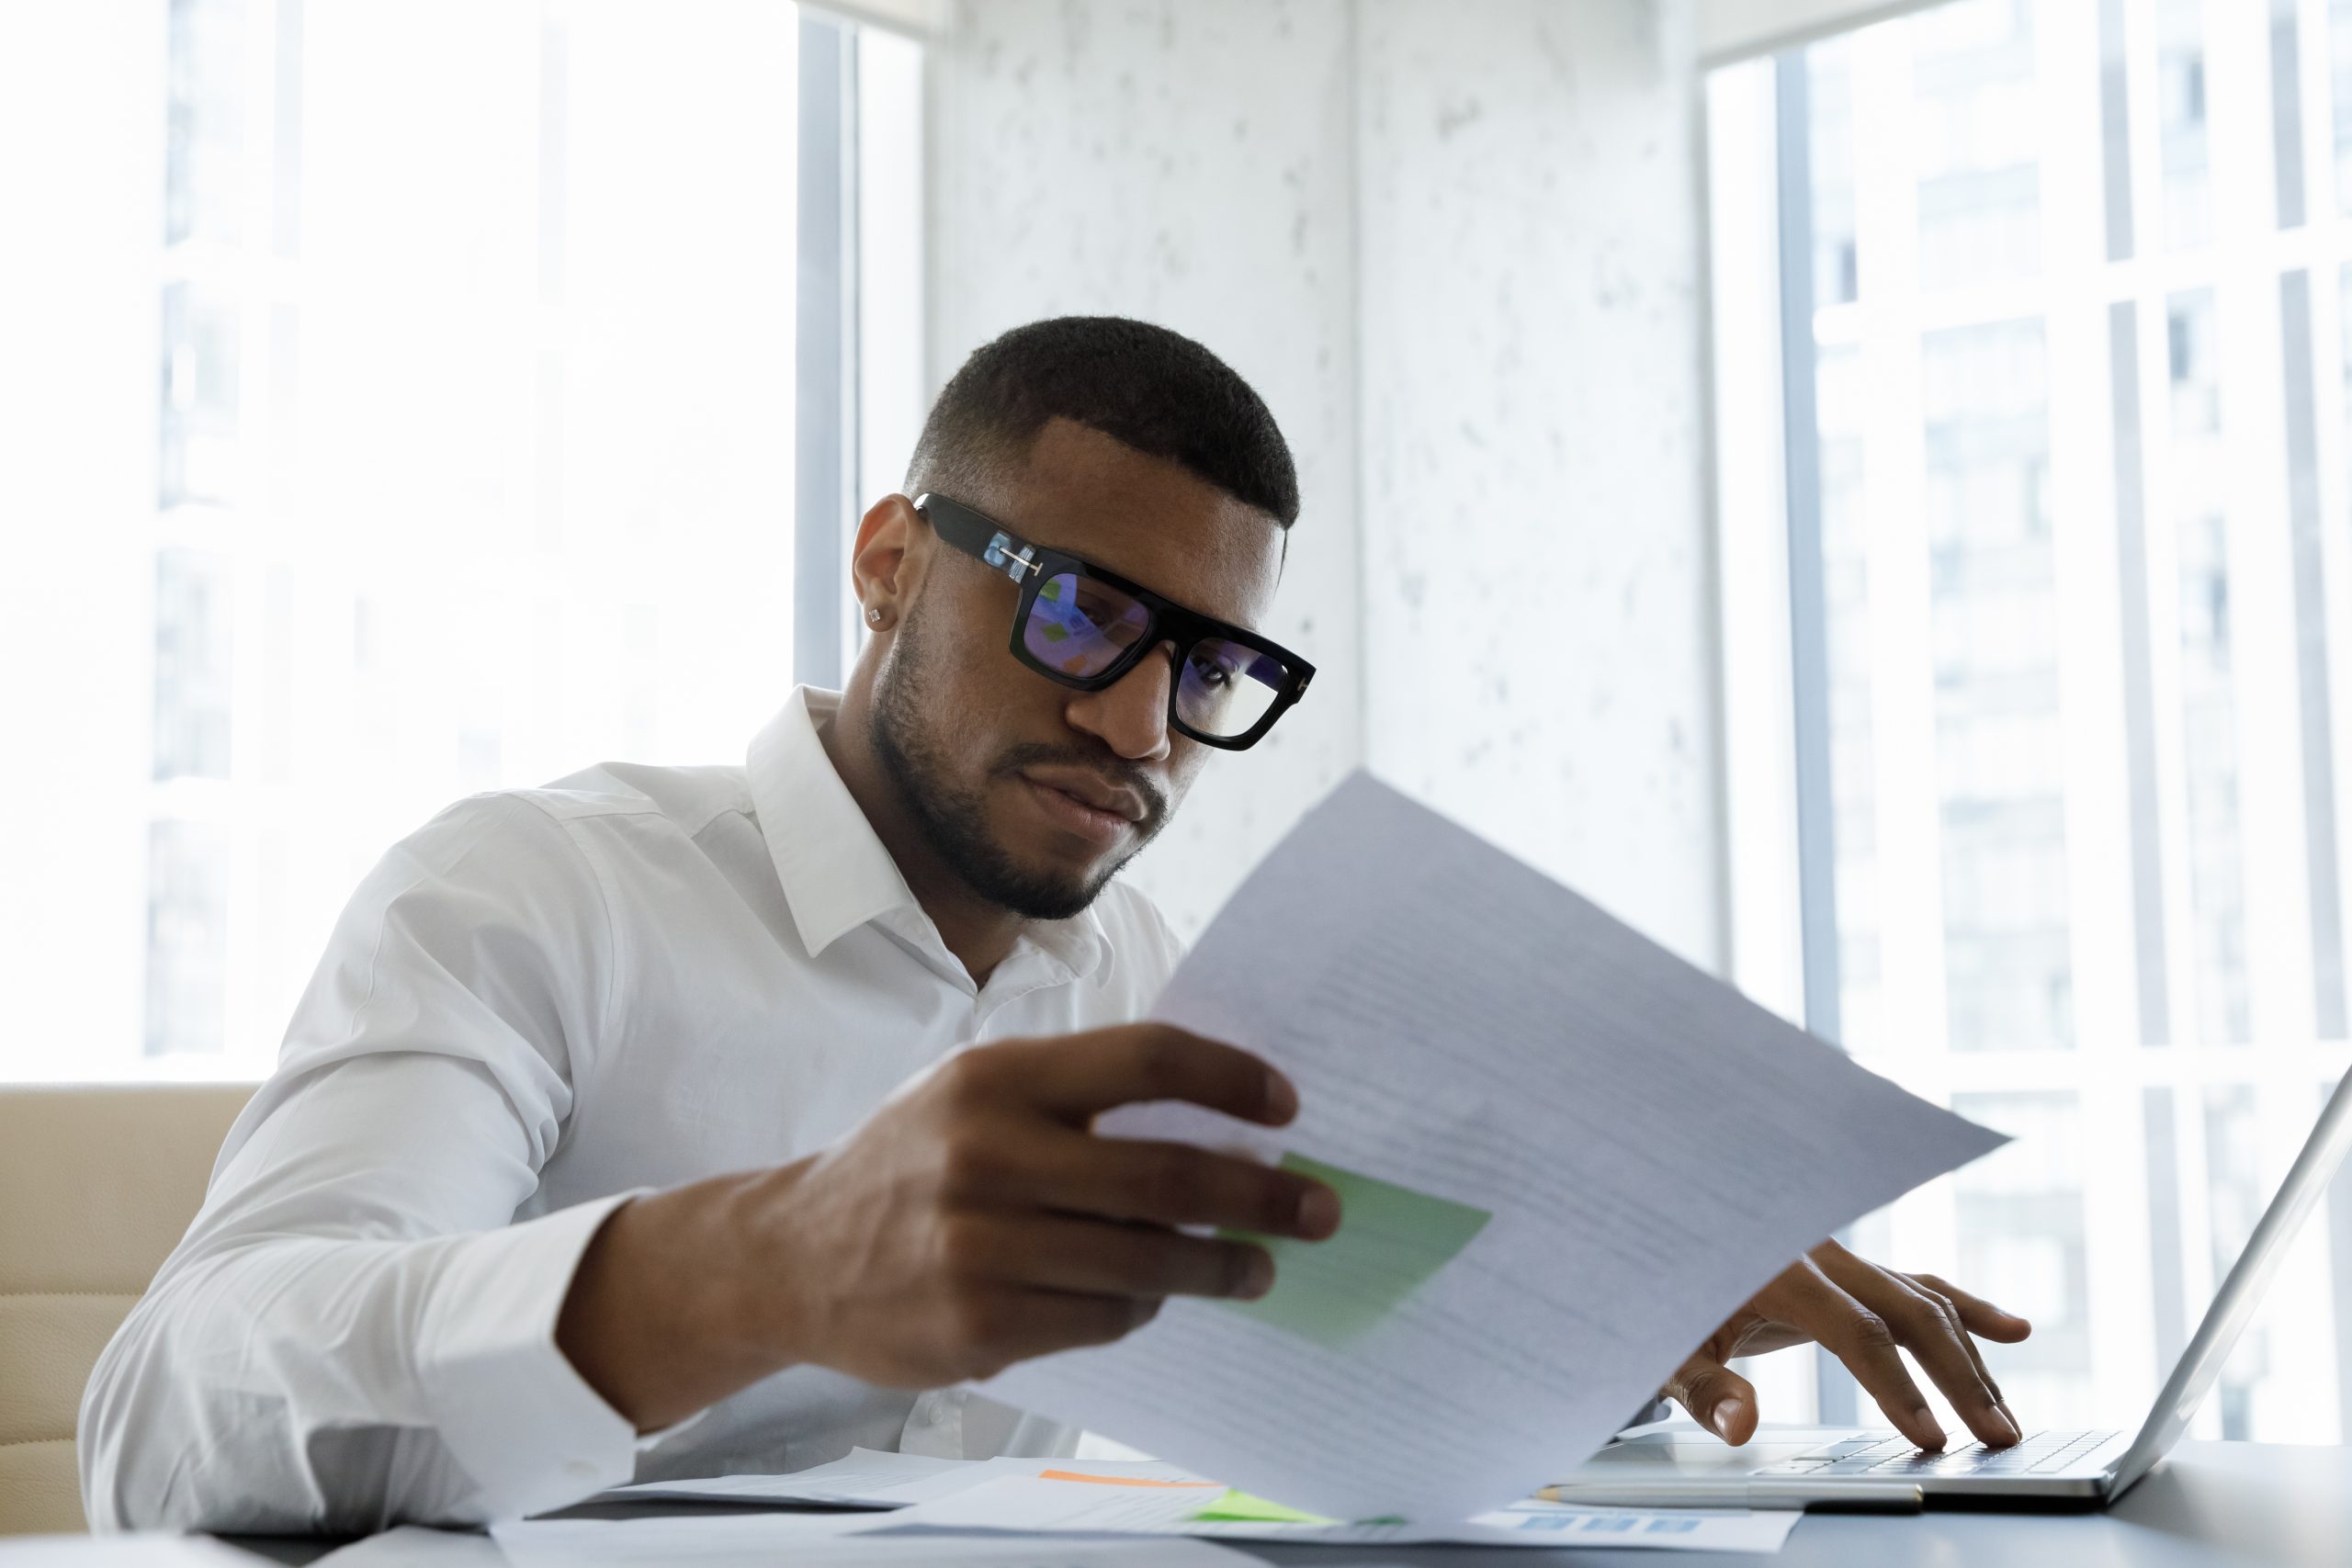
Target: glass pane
[[2114, 129], [1979, 130], [2073, 735], [1842, 403], [2199, 483], [194, 598], [2339, 70], [203, 168], [470, 340], [2022, 1245], [2286, 111], [2334, 1226], [199, 422], [187, 919], [1830, 93], [1998, 745], [2180, 116], [2236, 1195], [2280, 1383]]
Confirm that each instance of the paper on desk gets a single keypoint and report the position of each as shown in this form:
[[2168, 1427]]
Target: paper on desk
[[1032, 1503], [869, 1478], [154, 1548], [764, 1540], [416, 1545], [1620, 1149], [706, 1538]]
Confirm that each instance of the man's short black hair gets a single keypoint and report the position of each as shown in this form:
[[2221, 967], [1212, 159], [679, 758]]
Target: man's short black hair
[[1156, 390]]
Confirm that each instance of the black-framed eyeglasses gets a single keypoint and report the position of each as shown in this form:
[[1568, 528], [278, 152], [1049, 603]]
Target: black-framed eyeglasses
[[1085, 627]]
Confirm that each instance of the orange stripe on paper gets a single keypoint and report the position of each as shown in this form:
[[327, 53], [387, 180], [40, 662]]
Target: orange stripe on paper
[[1115, 1480]]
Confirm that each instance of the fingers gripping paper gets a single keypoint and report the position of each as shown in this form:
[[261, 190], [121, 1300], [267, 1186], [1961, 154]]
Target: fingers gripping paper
[[1647, 1148]]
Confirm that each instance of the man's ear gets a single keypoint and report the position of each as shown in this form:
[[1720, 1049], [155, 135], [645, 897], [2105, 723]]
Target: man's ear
[[884, 563]]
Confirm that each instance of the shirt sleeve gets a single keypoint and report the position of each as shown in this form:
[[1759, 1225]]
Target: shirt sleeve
[[353, 1333]]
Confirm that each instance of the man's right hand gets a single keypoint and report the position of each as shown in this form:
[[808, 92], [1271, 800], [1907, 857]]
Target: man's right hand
[[973, 1220]]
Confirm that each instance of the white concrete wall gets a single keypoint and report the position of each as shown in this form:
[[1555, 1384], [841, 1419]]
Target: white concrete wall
[[1538, 608], [1186, 161], [1457, 248]]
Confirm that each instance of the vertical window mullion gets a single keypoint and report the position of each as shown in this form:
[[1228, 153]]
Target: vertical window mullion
[[2259, 552], [1834, 1394], [2101, 640], [2313, 686], [1808, 630], [2330, 279], [825, 409]]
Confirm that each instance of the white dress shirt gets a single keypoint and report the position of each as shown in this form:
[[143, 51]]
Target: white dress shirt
[[541, 1003]]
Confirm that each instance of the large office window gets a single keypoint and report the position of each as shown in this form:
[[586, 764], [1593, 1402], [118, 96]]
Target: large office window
[[2050, 446], [428, 373]]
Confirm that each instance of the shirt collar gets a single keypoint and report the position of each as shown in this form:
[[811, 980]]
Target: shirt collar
[[835, 872]]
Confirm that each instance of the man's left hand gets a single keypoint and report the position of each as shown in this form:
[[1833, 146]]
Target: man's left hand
[[1861, 1313]]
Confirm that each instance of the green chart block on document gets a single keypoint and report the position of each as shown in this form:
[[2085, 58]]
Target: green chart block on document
[[1390, 1239], [1240, 1508]]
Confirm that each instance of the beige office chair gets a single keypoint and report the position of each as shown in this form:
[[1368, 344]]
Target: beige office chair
[[96, 1186]]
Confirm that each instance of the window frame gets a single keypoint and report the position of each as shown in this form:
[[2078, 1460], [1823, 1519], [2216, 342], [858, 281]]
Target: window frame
[[256, 275], [1781, 872]]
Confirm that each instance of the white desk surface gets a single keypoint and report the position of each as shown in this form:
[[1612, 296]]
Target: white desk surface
[[2209, 1506]]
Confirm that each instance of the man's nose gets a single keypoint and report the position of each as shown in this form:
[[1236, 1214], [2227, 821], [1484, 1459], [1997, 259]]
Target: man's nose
[[1130, 715]]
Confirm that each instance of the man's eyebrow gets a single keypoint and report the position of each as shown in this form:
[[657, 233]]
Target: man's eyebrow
[[1232, 621]]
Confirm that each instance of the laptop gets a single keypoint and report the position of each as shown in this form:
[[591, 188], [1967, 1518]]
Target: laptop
[[1680, 1464]]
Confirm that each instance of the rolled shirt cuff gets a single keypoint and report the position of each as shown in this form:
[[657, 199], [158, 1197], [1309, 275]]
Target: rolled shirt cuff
[[509, 1405]]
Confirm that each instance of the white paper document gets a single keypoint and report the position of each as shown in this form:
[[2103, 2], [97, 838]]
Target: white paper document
[[1045, 1504], [766, 1541], [144, 1550], [1565, 1157], [416, 1545], [868, 1478]]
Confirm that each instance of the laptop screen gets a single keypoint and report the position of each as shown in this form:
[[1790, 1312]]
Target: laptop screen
[[2239, 1294]]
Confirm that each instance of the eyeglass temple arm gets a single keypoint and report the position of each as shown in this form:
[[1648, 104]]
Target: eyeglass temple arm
[[1015, 558]]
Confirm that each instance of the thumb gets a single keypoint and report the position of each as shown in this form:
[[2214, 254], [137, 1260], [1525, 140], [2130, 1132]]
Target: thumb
[[1717, 1398]]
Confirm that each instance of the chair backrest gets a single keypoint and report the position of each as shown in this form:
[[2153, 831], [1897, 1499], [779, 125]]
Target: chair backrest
[[97, 1184]]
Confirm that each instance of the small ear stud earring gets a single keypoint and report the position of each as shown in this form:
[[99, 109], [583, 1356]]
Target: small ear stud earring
[[874, 615]]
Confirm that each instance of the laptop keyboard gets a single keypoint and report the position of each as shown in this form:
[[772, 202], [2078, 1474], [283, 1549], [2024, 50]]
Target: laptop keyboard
[[2041, 1453]]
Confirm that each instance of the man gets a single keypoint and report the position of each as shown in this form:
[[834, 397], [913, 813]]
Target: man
[[624, 1130]]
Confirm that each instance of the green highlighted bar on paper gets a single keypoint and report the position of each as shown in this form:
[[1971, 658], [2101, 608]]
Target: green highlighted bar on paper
[[1390, 1239], [1240, 1508]]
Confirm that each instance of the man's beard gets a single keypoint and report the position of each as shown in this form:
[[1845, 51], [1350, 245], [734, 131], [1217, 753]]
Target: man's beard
[[953, 820]]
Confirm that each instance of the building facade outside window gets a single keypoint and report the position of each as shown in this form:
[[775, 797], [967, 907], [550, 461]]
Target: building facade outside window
[[466, 422], [2060, 505]]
